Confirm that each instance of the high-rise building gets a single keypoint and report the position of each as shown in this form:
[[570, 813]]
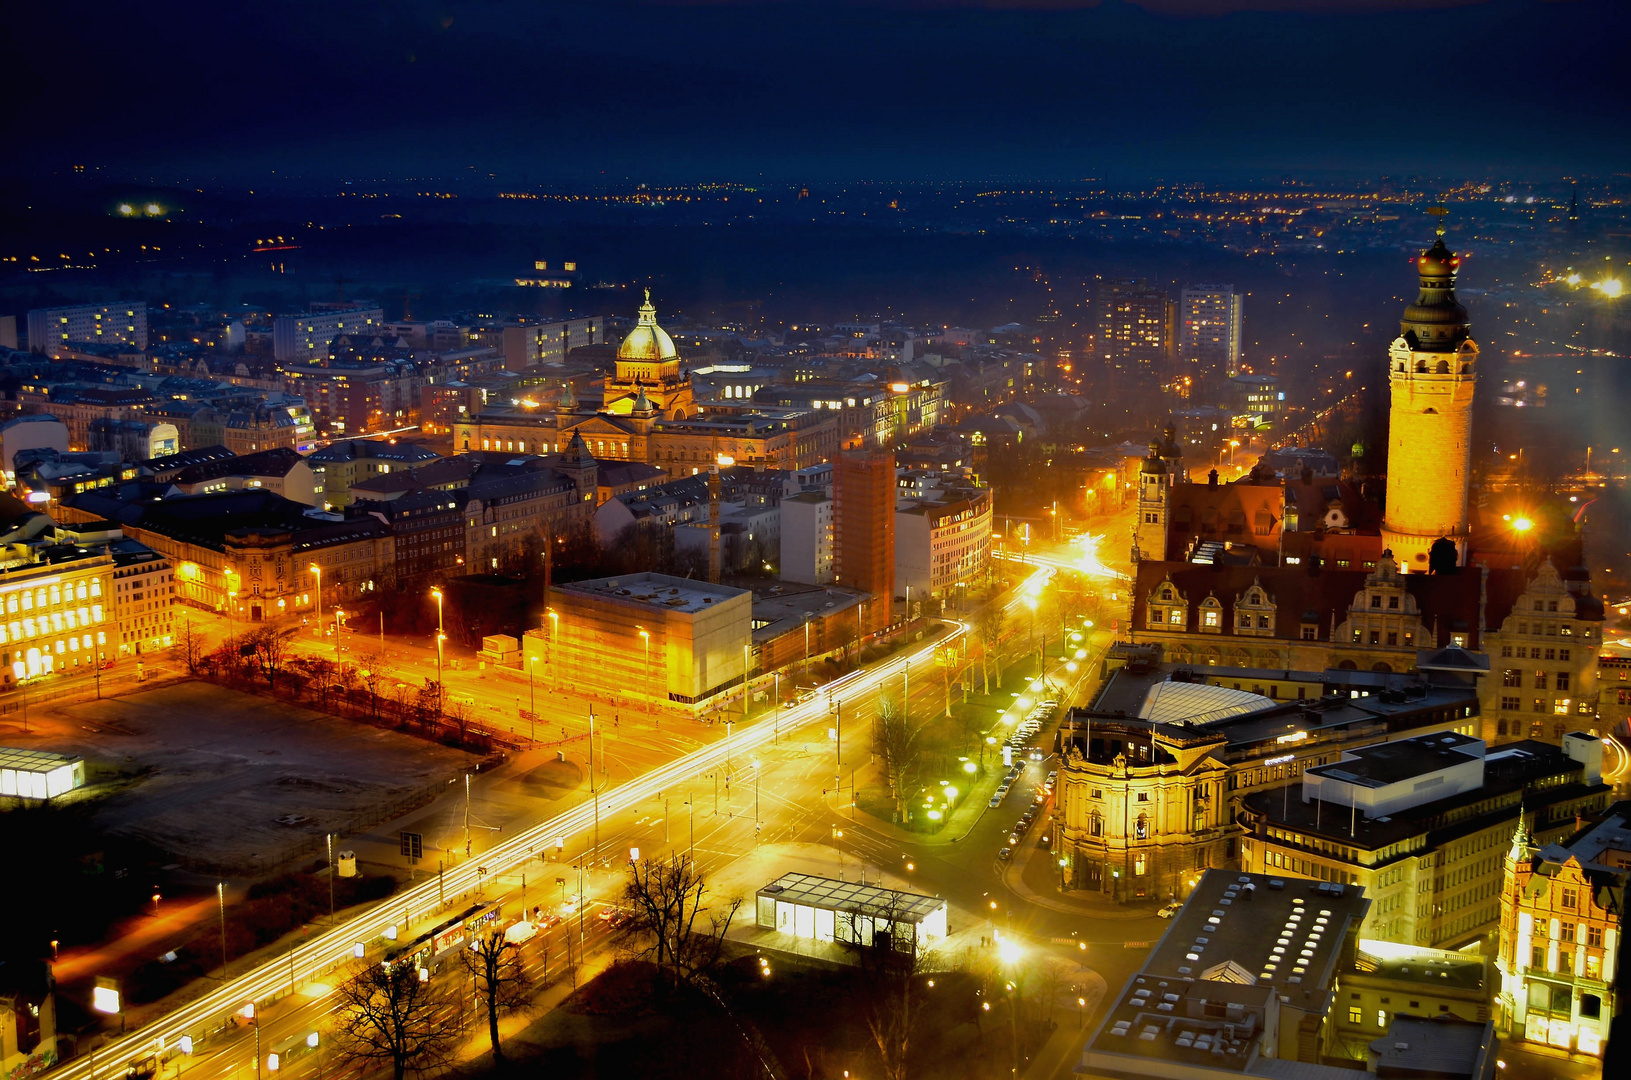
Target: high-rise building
[[96, 324], [864, 529], [1209, 331], [305, 337], [1135, 326], [1432, 368]]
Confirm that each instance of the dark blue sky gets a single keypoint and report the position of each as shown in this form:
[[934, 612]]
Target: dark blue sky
[[562, 90]]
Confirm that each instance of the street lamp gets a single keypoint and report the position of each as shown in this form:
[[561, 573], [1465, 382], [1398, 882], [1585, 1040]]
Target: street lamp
[[318, 570], [651, 692], [436, 591], [554, 644], [440, 637]]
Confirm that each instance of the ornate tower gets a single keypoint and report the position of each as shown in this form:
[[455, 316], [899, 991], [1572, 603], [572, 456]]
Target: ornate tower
[[1432, 368], [1154, 487]]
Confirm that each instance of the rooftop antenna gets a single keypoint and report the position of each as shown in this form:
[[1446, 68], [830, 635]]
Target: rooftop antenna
[[1438, 212]]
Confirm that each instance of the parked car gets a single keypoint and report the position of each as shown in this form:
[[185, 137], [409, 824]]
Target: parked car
[[996, 800], [1170, 910], [1005, 854]]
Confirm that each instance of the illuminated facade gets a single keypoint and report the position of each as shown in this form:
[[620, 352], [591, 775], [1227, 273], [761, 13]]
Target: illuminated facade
[[56, 616], [1432, 369], [1150, 798], [648, 363], [1209, 331], [1543, 662], [1421, 823], [1561, 919]]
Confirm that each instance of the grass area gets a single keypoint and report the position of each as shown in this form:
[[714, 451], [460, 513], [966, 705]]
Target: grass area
[[812, 1017], [942, 749]]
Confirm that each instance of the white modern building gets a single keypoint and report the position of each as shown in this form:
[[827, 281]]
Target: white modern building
[[38, 774], [942, 539], [305, 336], [97, 324], [807, 531], [821, 909]]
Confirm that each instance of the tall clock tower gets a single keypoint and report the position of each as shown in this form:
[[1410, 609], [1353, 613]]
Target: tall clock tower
[[1432, 369]]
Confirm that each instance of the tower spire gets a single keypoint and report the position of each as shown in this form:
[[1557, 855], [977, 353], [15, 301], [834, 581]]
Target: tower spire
[[1440, 212]]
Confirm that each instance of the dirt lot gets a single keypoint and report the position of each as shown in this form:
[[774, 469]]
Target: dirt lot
[[243, 783]]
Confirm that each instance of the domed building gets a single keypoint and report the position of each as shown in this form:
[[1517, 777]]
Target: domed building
[[648, 362]]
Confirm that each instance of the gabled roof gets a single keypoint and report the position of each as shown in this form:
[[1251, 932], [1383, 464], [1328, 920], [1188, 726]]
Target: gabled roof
[[1447, 600], [1239, 513]]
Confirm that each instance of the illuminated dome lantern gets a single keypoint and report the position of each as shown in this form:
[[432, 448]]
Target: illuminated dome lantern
[[648, 364], [647, 341]]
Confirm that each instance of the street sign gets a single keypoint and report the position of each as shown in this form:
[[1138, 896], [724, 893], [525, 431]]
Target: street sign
[[413, 845]]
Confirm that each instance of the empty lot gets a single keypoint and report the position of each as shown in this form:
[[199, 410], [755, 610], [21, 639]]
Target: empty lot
[[245, 783]]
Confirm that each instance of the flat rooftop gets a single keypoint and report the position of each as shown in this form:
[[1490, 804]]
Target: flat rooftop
[[1240, 942], [1394, 762], [778, 613], [1507, 772], [1429, 967], [659, 592], [870, 900]]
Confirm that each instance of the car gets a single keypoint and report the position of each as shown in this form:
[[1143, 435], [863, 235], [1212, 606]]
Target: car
[[607, 914], [996, 800], [1170, 910], [1014, 839], [620, 919], [1005, 854]]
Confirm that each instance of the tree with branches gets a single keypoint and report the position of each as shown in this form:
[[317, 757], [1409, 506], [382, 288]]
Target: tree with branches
[[892, 965], [991, 624], [192, 646], [269, 652], [494, 964], [668, 898], [387, 1015], [895, 744]]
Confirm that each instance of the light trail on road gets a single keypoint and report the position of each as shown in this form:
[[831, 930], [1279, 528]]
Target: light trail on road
[[340, 945]]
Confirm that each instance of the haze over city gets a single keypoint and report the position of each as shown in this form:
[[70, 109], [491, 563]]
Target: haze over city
[[921, 539]]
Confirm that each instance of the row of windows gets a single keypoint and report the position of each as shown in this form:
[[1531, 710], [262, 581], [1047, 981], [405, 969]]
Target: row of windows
[[1523, 653], [54, 623], [1513, 677], [28, 600]]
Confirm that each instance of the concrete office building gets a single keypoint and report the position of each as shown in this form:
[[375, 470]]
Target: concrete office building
[[305, 337], [645, 638], [100, 324], [1209, 331]]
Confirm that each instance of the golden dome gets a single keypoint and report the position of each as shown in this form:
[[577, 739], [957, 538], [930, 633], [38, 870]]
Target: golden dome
[[647, 341]]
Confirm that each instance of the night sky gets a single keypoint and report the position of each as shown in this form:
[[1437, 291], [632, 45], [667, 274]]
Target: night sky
[[571, 91]]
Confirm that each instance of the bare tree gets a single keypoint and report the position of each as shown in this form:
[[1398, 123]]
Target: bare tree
[[892, 966], [494, 963], [386, 1014], [668, 898], [269, 652], [191, 642], [991, 624], [895, 743]]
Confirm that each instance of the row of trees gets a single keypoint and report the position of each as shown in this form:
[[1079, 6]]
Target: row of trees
[[262, 658]]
